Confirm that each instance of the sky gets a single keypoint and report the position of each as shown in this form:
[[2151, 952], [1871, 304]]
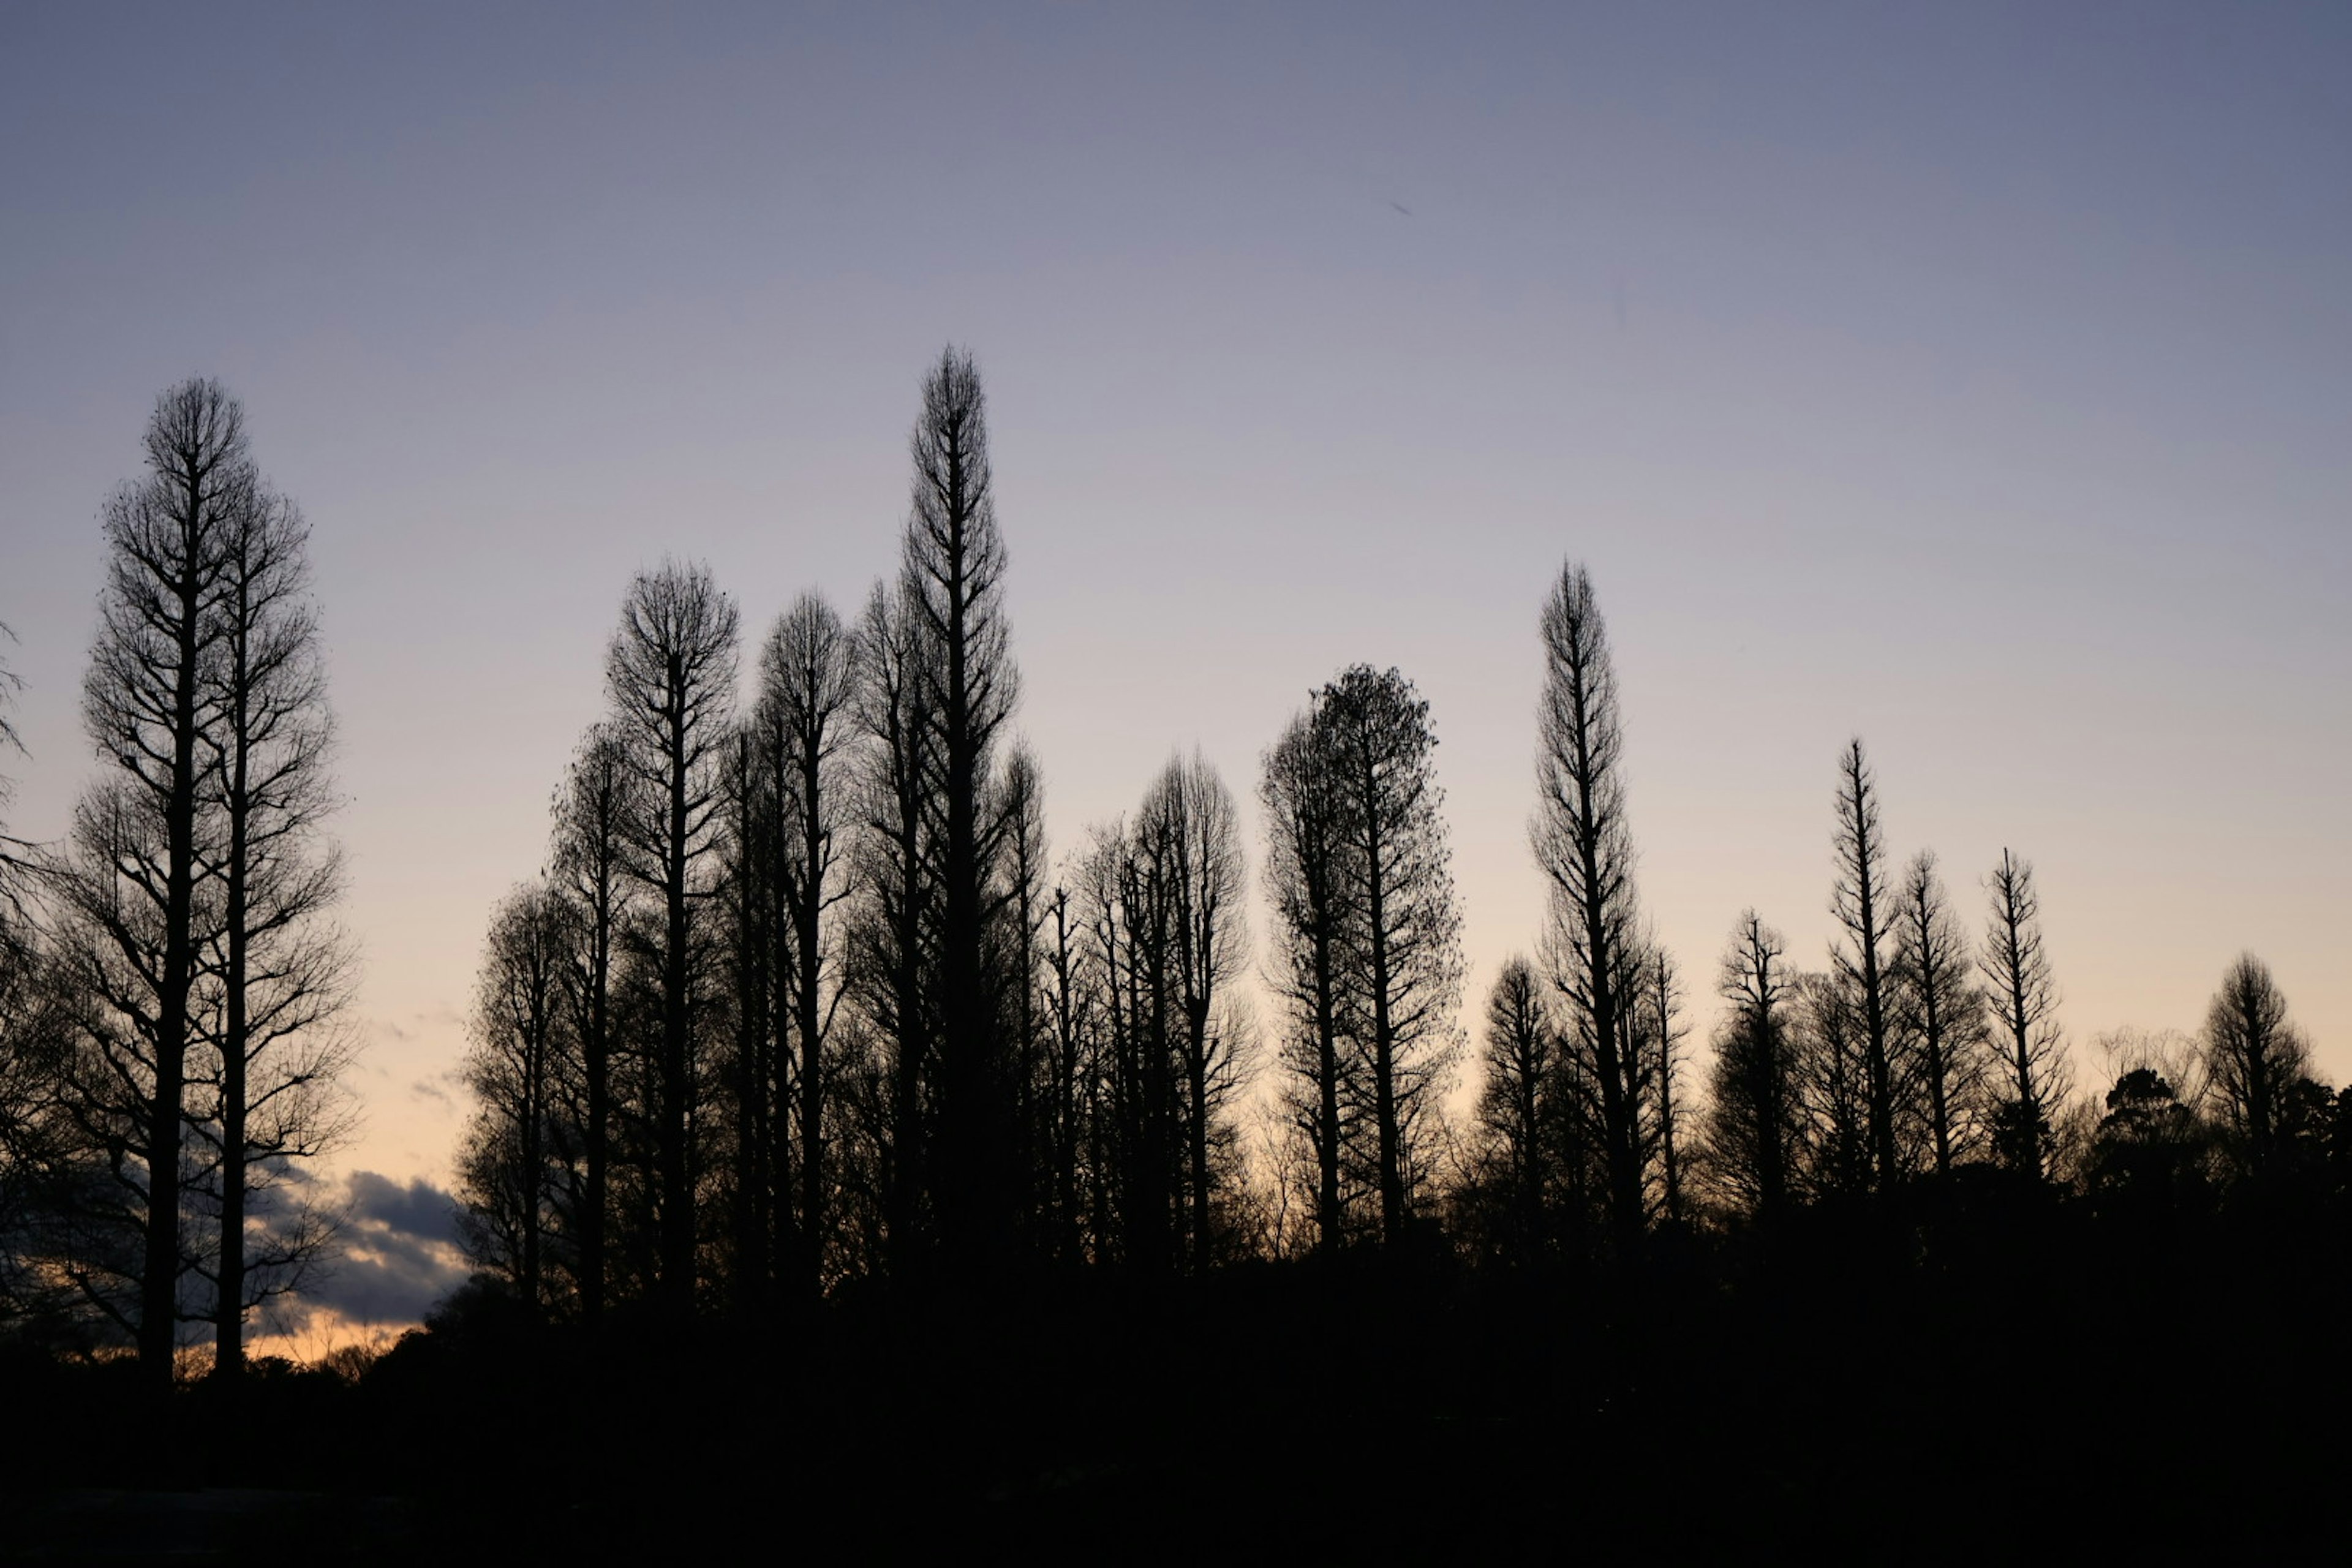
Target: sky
[[1976, 380]]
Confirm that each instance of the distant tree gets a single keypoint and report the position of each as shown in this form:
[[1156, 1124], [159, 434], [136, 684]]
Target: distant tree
[[1659, 1033], [1193, 836], [1517, 1102], [2254, 1062], [2149, 1144], [670, 678], [809, 677], [2031, 1071], [1859, 899], [1128, 901], [1754, 1119], [893, 954], [1021, 958], [1831, 1049], [14, 858], [594, 808], [1585, 846], [1404, 969], [522, 1045], [272, 1095], [1073, 1003], [1937, 1009]]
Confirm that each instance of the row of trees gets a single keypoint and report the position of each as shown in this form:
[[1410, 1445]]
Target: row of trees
[[170, 975], [804, 997]]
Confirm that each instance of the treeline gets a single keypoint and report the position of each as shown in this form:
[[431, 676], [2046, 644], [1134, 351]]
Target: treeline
[[805, 1000], [804, 1007]]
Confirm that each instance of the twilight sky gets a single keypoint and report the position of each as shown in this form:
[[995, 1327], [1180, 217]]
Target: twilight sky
[[1980, 383]]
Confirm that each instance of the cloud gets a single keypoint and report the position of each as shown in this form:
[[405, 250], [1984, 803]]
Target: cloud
[[399, 1256]]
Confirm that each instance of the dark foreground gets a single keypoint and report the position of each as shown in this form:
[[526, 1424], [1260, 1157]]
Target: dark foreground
[[1944, 1384]]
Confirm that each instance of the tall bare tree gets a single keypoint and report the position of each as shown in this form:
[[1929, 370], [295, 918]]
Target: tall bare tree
[[1313, 929], [1659, 1035], [522, 1038], [809, 677], [670, 678], [1404, 969], [953, 585], [1188, 823], [283, 970], [138, 880], [2023, 999], [1859, 899], [593, 810], [1585, 846], [1938, 1010], [892, 931]]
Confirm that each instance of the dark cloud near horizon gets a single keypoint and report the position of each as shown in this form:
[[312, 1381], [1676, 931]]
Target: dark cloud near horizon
[[399, 1256]]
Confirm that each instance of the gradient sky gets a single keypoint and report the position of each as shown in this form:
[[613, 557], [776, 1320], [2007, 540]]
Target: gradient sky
[[1974, 379]]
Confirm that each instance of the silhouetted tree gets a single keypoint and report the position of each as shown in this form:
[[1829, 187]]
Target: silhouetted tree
[[2149, 1144], [1859, 901], [1313, 929], [809, 674], [1832, 1048], [1188, 823], [1020, 958], [522, 1040], [592, 809], [2025, 1004], [1754, 1119], [1517, 1102], [2254, 1060], [1659, 1032], [1937, 1007], [1402, 969], [1585, 846], [271, 1096], [670, 677], [953, 587], [138, 880], [894, 955]]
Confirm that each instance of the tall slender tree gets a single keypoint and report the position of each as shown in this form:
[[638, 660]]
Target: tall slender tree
[[808, 676], [2025, 1004], [670, 678], [1939, 1011], [1404, 969], [1188, 817], [1585, 848], [952, 578], [1313, 929], [592, 809], [139, 881], [1859, 899], [893, 945], [515, 1066], [283, 971]]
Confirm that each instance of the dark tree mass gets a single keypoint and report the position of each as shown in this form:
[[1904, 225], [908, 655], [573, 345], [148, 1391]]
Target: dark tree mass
[[848, 1162]]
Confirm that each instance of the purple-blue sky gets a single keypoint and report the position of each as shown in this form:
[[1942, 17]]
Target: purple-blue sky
[[1975, 379]]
